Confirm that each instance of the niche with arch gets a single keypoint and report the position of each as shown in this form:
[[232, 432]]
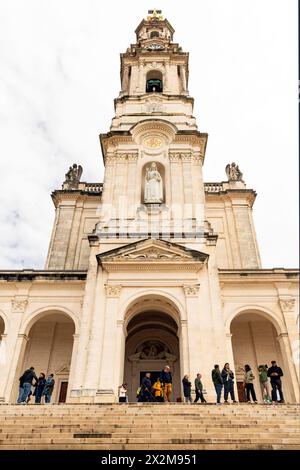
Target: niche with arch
[[161, 170]]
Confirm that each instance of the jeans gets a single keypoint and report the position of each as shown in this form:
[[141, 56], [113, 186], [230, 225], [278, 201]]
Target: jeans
[[276, 385], [228, 389], [218, 388], [250, 390], [26, 391], [20, 394], [199, 394], [47, 397], [38, 397]]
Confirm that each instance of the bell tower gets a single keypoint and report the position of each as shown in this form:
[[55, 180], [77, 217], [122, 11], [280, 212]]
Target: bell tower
[[153, 153]]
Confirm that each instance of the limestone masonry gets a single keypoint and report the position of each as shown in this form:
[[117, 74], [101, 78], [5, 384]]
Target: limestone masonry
[[154, 266]]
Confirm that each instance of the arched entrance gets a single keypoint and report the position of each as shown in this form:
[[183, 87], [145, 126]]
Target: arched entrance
[[49, 350], [255, 342], [151, 343]]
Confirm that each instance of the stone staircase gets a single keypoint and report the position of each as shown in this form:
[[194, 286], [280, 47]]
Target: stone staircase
[[146, 426]]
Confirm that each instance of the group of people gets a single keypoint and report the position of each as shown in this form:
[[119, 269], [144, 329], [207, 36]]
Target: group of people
[[32, 386], [223, 380]]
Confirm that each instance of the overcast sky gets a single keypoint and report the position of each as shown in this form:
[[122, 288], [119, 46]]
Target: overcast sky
[[59, 74]]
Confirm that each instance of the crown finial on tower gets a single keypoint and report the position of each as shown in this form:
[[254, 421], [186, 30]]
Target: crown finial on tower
[[154, 14]]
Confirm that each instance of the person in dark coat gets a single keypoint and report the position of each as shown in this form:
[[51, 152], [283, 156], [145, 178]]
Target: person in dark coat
[[21, 381], [187, 388], [217, 381], [40, 387], [199, 389], [166, 380], [27, 379], [275, 373], [228, 380], [146, 388]]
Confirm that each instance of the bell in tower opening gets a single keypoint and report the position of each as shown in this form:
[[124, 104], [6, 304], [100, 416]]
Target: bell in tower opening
[[154, 83]]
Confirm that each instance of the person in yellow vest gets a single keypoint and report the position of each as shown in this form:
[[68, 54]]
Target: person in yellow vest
[[158, 390]]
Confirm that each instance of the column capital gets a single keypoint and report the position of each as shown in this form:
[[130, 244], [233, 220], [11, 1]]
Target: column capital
[[113, 290], [191, 290]]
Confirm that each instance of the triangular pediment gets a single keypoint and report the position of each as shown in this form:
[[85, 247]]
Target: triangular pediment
[[152, 251]]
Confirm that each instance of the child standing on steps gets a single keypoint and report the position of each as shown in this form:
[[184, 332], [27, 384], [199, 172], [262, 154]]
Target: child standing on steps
[[158, 391]]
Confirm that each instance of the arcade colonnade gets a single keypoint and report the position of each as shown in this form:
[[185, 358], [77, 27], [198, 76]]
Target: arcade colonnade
[[141, 330]]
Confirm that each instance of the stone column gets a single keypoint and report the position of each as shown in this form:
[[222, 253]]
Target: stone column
[[198, 191], [70, 259], [119, 194], [235, 255], [83, 340], [289, 368], [107, 194], [183, 78], [106, 392], [72, 365], [15, 368], [184, 348], [176, 191], [125, 79], [3, 365], [131, 184], [120, 354], [96, 337], [193, 333], [231, 361], [187, 191]]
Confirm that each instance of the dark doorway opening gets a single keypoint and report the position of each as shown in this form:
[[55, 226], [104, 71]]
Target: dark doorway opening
[[154, 375]]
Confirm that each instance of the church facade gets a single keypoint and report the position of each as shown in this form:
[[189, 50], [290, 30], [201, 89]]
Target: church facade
[[154, 266]]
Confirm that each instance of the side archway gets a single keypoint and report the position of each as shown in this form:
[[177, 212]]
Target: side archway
[[255, 337], [49, 337]]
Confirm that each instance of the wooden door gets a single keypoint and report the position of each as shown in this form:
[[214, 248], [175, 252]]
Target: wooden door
[[241, 392], [63, 392]]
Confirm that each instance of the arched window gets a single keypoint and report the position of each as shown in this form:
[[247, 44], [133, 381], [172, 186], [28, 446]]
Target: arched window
[[154, 82], [154, 34]]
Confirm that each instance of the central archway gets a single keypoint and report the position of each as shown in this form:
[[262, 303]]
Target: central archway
[[152, 342]]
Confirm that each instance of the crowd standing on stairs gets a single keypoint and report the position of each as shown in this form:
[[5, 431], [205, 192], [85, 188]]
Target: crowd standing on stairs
[[223, 380], [32, 386]]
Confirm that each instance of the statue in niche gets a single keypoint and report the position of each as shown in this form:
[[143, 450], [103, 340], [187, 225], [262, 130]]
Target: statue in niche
[[153, 185], [233, 172]]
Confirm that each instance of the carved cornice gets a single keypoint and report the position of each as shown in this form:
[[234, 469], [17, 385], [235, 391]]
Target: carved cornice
[[191, 290], [149, 255], [113, 291], [185, 157]]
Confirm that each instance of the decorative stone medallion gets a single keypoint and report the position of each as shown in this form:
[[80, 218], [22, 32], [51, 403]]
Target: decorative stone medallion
[[153, 142]]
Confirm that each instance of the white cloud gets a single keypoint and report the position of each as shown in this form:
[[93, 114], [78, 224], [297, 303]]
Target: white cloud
[[60, 73]]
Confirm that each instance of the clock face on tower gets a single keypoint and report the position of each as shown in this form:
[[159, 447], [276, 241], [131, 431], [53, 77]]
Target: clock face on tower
[[155, 47]]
